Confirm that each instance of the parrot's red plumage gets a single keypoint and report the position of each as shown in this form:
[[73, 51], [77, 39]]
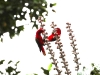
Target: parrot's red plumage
[[52, 36], [40, 41]]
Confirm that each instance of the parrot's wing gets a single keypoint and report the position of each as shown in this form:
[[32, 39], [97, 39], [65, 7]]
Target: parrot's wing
[[40, 46], [38, 43], [51, 38]]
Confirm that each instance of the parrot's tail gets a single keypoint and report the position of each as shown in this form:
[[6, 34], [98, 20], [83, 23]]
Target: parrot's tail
[[43, 51]]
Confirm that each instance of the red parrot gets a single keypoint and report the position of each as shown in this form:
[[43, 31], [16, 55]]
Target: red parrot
[[52, 36], [40, 41]]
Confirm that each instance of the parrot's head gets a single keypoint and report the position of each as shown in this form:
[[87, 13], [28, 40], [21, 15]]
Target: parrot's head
[[41, 30], [58, 31]]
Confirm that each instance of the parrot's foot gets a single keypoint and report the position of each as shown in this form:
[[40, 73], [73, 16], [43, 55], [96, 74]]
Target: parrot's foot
[[43, 40]]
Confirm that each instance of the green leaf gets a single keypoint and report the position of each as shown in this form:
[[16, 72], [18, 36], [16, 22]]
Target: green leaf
[[17, 72], [44, 19], [50, 66], [92, 64], [12, 33], [53, 10], [1, 62], [35, 25], [9, 61], [84, 68], [9, 70], [17, 63], [1, 39], [12, 10], [21, 27], [1, 72], [45, 71], [52, 4], [35, 74]]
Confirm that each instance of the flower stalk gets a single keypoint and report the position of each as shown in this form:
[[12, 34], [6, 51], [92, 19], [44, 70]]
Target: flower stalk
[[59, 46], [62, 53], [73, 45], [50, 50]]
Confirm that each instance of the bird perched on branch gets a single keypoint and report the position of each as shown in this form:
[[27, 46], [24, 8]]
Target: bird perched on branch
[[52, 37], [39, 40]]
